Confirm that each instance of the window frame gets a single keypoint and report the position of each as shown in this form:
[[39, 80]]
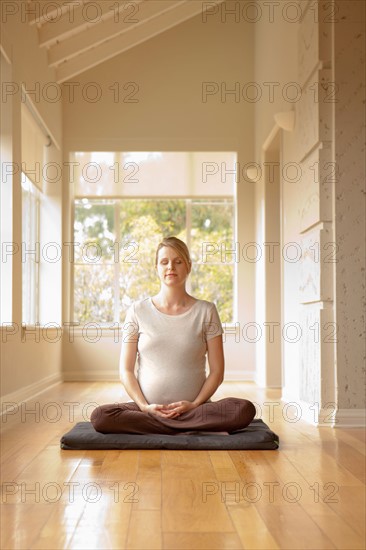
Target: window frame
[[32, 273], [118, 200]]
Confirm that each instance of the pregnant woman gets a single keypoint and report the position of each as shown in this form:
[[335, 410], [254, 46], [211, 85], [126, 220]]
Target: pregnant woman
[[170, 334]]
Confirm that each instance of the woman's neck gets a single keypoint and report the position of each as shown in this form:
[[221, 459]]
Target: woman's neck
[[173, 300]]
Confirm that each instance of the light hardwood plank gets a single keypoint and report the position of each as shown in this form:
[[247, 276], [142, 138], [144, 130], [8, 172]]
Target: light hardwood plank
[[185, 477], [308, 494], [148, 481], [251, 528], [145, 530], [203, 541]]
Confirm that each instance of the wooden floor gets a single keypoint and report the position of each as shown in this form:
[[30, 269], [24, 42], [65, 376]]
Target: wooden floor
[[308, 494]]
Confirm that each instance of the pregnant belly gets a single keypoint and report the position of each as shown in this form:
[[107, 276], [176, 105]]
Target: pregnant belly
[[168, 389]]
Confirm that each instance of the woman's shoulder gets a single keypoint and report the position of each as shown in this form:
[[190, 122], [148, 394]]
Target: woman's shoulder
[[141, 305], [205, 305], [137, 307]]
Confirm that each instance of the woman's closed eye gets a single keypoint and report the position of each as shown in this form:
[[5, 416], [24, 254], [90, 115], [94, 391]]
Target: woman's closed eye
[[165, 262]]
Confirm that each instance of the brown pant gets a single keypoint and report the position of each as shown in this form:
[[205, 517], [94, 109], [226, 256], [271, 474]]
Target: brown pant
[[228, 414]]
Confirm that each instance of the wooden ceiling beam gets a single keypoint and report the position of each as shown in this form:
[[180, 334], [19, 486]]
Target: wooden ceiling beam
[[42, 11], [93, 37], [82, 14], [128, 40]]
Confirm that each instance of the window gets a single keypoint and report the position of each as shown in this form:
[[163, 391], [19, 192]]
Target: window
[[115, 242], [6, 197], [126, 202], [30, 250]]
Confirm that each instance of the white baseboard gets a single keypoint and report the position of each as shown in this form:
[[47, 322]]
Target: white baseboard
[[260, 385], [328, 417], [350, 418], [242, 376], [91, 376], [29, 392]]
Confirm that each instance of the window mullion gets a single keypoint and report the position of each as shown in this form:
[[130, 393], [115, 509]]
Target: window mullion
[[188, 235], [117, 267], [26, 286], [32, 261], [72, 263], [37, 259]]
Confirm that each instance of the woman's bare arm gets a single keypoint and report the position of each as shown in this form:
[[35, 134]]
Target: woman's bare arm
[[127, 373], [131, 384], [216, 361]]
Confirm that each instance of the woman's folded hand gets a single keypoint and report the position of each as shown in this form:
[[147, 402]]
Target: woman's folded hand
[[172, 410], [159, 410], [180, 407]]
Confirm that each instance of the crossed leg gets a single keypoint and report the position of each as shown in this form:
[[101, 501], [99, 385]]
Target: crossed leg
[[228, 414]]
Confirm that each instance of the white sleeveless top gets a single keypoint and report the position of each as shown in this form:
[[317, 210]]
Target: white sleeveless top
[[171, 359]]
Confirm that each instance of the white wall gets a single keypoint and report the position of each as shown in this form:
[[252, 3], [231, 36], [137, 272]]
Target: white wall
[[320, 212], [349, 60], [28, 365], [170, 114], [275, 70]]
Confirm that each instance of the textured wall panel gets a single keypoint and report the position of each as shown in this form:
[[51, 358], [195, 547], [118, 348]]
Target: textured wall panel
[[310, 368], [308, 44], [314, 112], [317, 177], [318, 257], [318, 337], [350, 202]]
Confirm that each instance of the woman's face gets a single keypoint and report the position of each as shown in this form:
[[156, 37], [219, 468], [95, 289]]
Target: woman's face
[[171, 268]]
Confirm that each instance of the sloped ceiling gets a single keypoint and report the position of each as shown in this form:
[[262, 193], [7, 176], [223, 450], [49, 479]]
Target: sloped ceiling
[[81, 34]]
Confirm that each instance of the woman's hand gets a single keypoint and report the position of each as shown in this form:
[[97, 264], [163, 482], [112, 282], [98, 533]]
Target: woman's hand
[[172, 410], [180, 407], [159, 410]]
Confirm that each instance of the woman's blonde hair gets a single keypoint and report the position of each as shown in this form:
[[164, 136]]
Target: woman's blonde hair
[[180, 247]]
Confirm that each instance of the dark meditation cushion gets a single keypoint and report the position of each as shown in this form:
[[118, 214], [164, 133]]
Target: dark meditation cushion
[[256, 436]]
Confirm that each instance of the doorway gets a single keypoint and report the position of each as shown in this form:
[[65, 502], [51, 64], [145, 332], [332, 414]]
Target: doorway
[[269, 281]]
